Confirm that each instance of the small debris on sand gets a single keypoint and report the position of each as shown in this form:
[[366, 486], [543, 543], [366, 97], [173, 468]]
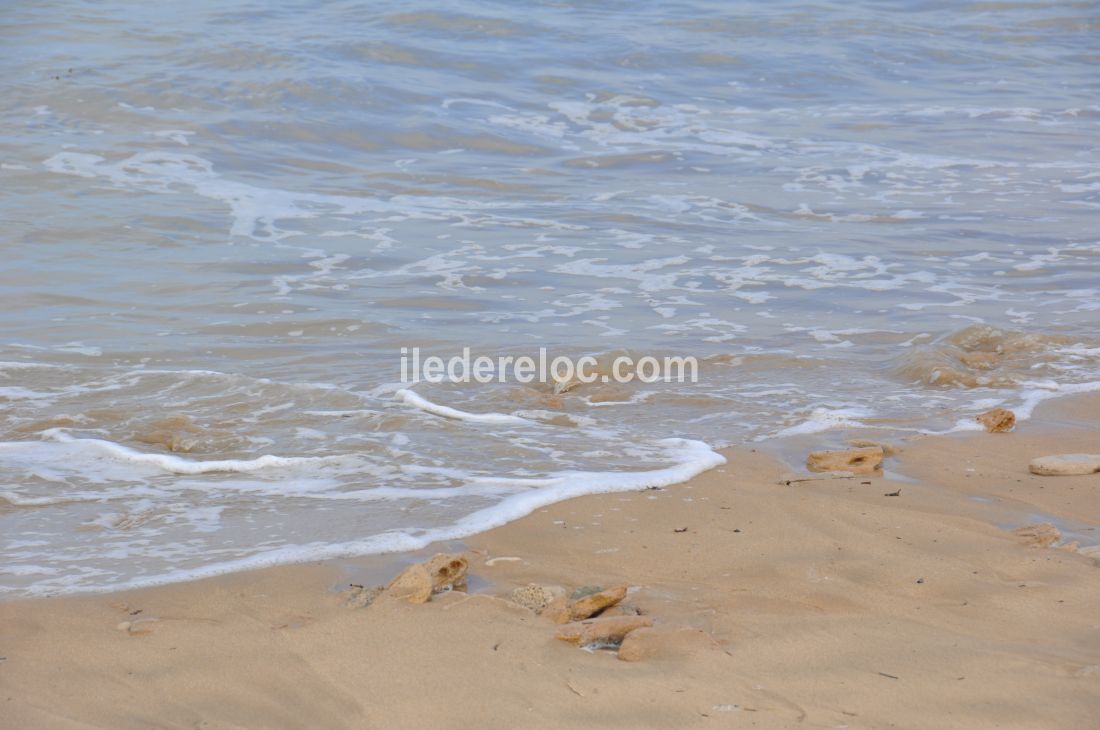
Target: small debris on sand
[[1064, 465], [856, 461], [997, 420]]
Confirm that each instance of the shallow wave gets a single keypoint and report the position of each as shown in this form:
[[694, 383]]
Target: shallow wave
[[689, 459]]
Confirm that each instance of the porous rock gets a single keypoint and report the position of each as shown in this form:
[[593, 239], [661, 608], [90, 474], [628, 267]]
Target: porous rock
[[448, 570], [997, 420], [532, 597]]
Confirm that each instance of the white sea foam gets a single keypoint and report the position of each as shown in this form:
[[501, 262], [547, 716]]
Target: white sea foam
[[171, 464], [410, 398]]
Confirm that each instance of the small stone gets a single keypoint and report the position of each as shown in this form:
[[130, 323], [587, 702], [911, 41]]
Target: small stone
[[661, 641], [1064, 465], [997, 420], [596, 602], [413, 584], [447, 571], [123, 626], [532, 597], [602, 631], [1042, 535], [856, 461]]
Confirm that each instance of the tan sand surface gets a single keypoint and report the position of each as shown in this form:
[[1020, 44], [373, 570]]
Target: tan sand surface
[[825, 604]]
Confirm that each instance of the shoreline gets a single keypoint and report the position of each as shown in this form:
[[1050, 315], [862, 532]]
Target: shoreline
[[790, 449], [824, 603]]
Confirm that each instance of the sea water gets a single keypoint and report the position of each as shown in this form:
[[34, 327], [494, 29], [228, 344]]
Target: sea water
[[221, 222]]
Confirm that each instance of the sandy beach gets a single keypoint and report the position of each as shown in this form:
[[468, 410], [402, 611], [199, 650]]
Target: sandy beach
[[823, 603]]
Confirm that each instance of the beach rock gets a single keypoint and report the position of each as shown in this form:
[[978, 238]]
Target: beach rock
[[593, 603], [413, 584], [602, 631], [447, 570], [583, 603], [532, 597], [1042, 535], [887, 449], [557, 610], [620, 609], [1065, 465], [857, 461], [997, 420], [658, 641]]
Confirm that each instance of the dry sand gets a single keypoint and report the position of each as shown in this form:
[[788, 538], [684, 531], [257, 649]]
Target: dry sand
[[825, 604]]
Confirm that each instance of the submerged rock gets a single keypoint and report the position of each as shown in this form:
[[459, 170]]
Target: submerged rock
[[1043, 534], [857, 461], [980, 359], [1064, 465], [602, 631], [997, 420]]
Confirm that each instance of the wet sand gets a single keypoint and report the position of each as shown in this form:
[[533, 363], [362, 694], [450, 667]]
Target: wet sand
[[820, 604]]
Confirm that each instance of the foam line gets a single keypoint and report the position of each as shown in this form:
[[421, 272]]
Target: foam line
[[178, 465], [410, 398]]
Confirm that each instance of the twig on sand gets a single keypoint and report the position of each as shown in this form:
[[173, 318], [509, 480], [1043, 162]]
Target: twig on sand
[[888, 676], [798, 479], [893, 494]]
